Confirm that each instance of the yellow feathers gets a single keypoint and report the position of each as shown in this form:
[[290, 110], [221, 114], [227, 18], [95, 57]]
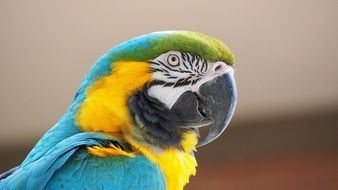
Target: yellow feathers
[[105, 108], [110, 151], [189, 141]]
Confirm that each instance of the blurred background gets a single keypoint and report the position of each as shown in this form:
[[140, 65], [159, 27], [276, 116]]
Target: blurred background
[[284, 134]]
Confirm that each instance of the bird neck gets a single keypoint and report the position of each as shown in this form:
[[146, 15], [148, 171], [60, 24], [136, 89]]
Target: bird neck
[[177, 165]]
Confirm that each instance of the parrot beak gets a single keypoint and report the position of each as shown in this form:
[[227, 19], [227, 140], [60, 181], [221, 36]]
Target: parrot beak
[[212, 107]]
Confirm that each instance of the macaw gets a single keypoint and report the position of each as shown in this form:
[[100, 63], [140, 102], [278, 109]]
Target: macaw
[[134, 122]]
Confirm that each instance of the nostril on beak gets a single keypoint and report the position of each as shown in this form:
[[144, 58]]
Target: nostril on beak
[[218, 67]]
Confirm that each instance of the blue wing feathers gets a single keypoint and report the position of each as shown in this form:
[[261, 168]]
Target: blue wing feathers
[[68, 165], [116, 173]]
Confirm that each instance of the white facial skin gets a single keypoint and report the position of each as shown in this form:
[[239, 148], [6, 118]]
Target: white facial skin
[[175, 73]]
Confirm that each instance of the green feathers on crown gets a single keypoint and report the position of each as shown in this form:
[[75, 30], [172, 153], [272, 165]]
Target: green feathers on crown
[[150, 46]]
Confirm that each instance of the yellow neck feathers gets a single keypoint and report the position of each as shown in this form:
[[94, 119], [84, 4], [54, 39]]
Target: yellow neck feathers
[[176, 165], [105, 109]]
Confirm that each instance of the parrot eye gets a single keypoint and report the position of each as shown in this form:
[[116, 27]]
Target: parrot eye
[[173, 60]]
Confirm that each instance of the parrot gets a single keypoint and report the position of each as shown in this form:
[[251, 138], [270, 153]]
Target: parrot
[[137, 118]]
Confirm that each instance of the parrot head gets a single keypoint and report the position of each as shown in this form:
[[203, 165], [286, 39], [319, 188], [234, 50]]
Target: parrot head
[[156, 88]]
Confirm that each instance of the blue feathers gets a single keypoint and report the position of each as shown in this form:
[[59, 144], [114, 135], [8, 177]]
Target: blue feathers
[[118, 173], [68, 165]]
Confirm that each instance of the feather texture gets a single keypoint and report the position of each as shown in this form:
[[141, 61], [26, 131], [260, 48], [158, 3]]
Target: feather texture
[[68, 165]]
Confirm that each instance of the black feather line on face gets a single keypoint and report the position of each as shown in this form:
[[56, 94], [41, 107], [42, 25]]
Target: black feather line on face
[[192, 59], [204, 66], [159, 127], [184, 56], [185, 64], [179, 83]]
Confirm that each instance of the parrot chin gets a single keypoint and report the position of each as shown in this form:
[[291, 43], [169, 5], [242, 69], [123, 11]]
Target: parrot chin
[[212, 107]]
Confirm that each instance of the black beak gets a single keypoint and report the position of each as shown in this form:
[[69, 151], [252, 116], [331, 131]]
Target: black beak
[[212, 107]]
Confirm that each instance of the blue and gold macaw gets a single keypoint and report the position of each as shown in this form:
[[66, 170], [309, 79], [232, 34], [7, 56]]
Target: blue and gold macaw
[[134, 122]]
